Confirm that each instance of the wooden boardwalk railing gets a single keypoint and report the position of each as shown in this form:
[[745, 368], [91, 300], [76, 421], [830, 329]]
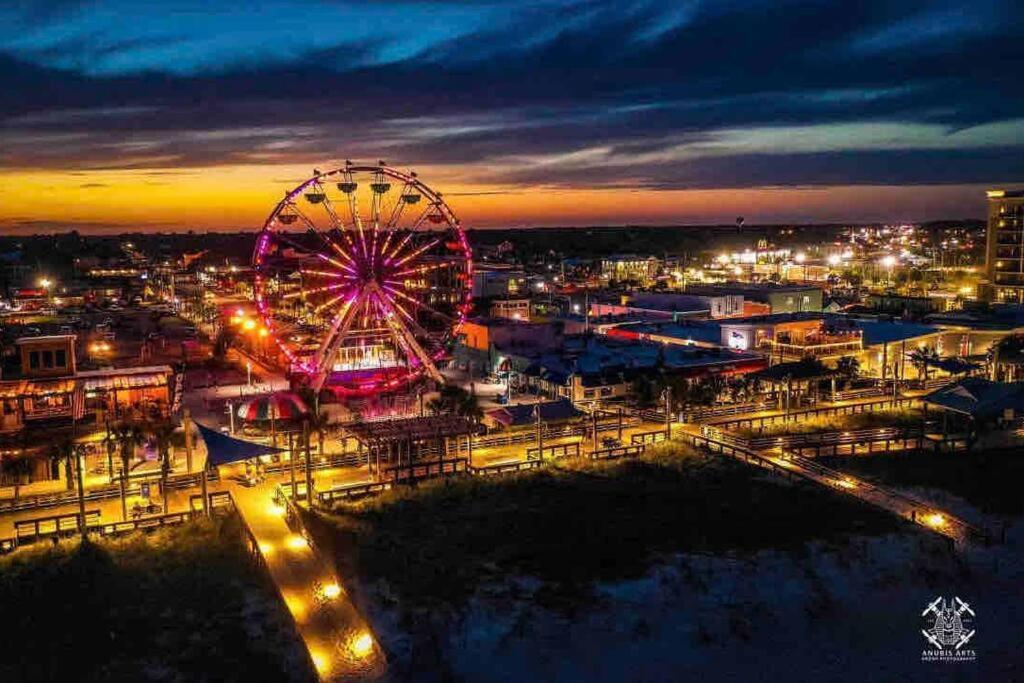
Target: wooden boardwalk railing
[[558, 450], [618, 452], [648, 437], [755, 421]]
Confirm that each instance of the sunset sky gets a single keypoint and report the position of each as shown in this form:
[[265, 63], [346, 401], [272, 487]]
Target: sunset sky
[[175, 115]]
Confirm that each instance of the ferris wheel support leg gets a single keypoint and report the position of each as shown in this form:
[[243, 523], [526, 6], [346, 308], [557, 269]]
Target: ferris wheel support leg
[[406, 338], [341, 326]]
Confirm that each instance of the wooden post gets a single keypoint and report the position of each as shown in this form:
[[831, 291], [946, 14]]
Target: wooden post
[[540, 432], [273, 422], [291, 463], [309, 467], [186, 424], [206, 495]]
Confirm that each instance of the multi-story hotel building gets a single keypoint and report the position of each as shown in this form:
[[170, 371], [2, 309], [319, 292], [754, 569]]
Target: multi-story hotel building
[[1004, 249]]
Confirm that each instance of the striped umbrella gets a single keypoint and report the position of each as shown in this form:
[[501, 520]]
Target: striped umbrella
[[282, 405]]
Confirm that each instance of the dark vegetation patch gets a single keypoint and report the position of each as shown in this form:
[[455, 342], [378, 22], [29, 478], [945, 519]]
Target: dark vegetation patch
[[574, 524], [181, 604]]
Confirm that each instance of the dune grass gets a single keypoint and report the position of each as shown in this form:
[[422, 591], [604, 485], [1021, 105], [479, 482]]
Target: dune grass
[[572, 524], [181, 604]]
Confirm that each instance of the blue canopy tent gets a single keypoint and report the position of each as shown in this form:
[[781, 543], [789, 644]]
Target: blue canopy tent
[[223, 449]]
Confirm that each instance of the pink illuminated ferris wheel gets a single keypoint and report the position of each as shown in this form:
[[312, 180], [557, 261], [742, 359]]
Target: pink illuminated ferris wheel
[[362, 279]]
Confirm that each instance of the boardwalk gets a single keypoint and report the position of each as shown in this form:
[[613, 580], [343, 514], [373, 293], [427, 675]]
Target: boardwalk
[[907, 507], [340, 643]]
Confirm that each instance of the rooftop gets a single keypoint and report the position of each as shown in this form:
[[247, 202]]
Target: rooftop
[[978, 397], [1005, 194], [526, 413], [889, 331], [749, 287], [44, 338]]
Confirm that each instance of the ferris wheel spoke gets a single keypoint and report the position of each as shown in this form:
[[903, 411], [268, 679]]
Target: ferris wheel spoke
[[419, 304], [315, 290], [396, 211], [310, 225], [418, 252], [426, 268], [324, 273], [423, 215], [279, 236]]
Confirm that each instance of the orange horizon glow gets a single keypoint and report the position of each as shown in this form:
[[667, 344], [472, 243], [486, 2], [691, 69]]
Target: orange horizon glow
[[229, 198]]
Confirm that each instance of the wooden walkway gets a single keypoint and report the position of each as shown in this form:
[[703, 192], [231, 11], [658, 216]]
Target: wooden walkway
[[340, 643], [907, 507]]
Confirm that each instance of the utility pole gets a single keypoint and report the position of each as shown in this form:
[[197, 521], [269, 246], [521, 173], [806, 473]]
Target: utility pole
[[291, 462]]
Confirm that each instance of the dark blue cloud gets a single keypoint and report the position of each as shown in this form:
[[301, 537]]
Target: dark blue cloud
[[659, 94]]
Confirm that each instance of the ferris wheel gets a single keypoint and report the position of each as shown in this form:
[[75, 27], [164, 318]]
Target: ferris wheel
[[362, 278]]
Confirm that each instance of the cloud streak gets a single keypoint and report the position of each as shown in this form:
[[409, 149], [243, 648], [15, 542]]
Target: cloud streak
[[644, 94]]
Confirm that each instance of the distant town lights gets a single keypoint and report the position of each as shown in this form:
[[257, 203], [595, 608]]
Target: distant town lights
[[834, 259], [800, 257], [888, 261]]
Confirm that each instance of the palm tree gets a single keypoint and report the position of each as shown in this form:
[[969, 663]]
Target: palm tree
[[1007, 353], [72, 455], [317, 419], [163, 435], [128, 435], [849, 368], [17, 469], [61, 453], [110, 441], [921, 358]]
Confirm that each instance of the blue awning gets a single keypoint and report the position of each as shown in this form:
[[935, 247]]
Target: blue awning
[[222, 449]]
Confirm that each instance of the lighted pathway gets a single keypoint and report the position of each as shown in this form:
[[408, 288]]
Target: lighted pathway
[[340, 643]]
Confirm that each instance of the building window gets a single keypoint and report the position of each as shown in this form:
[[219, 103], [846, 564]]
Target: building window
[[33, 360], [47, 359], [61, 358]]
